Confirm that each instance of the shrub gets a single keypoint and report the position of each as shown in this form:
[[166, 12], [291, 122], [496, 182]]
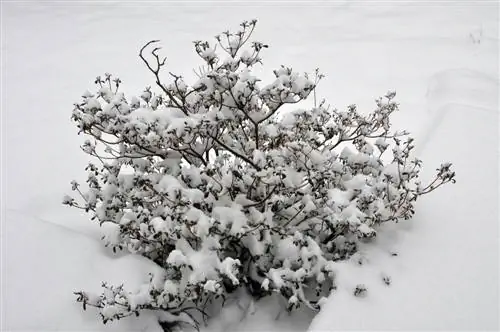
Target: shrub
[[225, 189]]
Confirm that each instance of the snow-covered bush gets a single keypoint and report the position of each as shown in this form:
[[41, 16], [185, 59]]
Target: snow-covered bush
[[225, 187]]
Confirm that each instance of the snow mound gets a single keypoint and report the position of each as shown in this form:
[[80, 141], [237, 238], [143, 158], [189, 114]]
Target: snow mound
[[461, 86]]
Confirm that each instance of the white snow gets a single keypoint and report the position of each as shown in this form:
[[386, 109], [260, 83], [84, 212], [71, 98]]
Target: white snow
[[177, 258], [445, 276], [44, 263], [442, 58], [230, 216]]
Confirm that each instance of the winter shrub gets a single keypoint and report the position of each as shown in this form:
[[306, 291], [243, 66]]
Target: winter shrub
[[225, 189]]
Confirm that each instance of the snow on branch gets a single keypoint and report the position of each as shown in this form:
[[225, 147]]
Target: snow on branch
[[212, 182]]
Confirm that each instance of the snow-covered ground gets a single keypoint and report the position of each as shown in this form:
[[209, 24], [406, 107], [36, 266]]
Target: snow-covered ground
[[445, 276], [441, 57]]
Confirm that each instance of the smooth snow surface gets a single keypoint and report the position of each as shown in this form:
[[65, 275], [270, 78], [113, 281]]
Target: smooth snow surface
[[441, 58], [43, 264]]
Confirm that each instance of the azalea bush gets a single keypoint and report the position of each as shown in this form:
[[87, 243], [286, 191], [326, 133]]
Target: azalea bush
[[226, 186]]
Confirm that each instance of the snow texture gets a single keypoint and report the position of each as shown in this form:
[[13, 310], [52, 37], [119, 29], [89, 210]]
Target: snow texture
[[439, 271]]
